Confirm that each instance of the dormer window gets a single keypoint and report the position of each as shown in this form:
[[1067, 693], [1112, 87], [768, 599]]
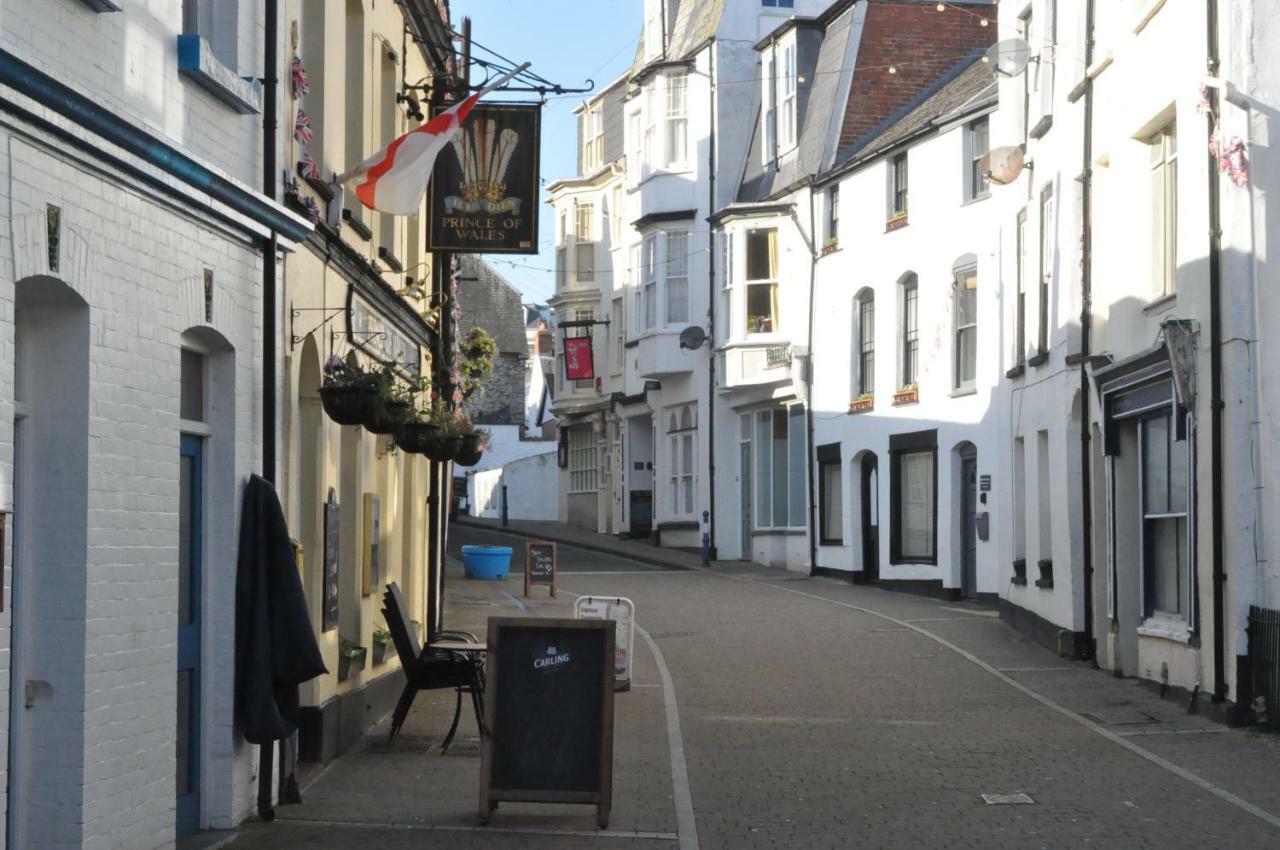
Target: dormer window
[[653, 30], [788, 105]]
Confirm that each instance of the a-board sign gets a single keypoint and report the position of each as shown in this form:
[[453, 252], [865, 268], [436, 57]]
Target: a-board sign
[[540, 565], [622, 612], [549, 711], [332, 522]]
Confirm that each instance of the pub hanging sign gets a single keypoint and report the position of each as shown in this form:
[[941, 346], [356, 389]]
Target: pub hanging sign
[[483, 197]]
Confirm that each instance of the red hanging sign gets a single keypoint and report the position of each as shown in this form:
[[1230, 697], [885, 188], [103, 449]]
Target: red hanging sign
[[577, 359]]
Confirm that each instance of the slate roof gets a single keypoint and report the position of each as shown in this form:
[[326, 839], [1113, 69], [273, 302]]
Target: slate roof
[[695, 22], [493, 304], [968, 85]]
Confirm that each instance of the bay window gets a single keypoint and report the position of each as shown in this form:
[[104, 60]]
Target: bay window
[[681, 431], [677, 278], [584, 252], [762, 280], [914, 497], [780, 468]]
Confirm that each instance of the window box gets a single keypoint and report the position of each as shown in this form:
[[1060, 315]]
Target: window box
[[1019, 571], [832, 244], [897, 222], [906, 395], [197, 61], [1045, 565], [103, 5], [863, 403]]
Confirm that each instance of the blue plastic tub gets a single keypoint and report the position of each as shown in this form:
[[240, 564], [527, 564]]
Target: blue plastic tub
[[486, 562]]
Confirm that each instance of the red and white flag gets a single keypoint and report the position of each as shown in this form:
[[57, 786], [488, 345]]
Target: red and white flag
[[395, 178]]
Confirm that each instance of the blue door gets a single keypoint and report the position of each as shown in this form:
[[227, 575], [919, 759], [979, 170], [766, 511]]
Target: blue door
[[190, 548]]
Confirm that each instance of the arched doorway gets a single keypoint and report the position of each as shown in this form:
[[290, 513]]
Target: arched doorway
[[869, 515], [50, 556], [966, 500]]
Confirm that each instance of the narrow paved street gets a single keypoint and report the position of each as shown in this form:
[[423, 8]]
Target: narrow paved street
[[809, 713]]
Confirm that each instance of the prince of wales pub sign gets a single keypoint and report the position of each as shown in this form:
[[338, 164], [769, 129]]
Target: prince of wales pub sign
[[483, 197]]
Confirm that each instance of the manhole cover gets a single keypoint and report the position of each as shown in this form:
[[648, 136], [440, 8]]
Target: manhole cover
[[663, 635], [1006, 799]]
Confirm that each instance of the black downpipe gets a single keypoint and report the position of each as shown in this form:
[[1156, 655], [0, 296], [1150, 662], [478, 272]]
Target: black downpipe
[[808, 394], [711, 305], [270, 82], [1086, 326], [1215, 369]]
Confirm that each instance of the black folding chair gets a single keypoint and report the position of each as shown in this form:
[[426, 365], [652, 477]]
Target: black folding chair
[[428, 668]]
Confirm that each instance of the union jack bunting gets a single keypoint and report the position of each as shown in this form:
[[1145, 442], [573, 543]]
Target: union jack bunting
[[298, 85], [313, 209], [302, 127], [308, 166]]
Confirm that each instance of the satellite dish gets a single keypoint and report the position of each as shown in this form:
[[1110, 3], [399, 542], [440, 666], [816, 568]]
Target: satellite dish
[[1008, 57], [1003, 164], [692, 337]]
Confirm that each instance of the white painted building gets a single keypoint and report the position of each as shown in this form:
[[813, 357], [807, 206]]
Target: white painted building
[[131, 280]]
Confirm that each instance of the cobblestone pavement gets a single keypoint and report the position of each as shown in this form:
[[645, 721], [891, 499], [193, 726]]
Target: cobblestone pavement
[[818, 714]]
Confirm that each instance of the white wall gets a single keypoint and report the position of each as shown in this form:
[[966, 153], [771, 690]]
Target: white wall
[[529, 481]]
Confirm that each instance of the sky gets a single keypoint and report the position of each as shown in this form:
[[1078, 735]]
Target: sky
[[567, 42]]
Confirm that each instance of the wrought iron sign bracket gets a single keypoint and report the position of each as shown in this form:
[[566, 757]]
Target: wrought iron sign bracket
[[296, 312], [365, 336]]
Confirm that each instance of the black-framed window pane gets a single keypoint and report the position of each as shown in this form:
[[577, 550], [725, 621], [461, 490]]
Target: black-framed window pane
[[979, 143], [900, 184], [910, 337], [831, 493]]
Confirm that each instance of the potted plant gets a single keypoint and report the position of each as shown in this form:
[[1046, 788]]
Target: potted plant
[[347, 392], [351, 658], [478, 352], [393, 402], [381, 640], [864, 401]]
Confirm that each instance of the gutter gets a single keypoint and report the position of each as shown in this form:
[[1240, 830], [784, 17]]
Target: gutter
[[711, 305], [808, 392], [1215, 368], [100, 120]]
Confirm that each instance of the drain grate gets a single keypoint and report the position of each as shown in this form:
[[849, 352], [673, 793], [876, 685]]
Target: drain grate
[[662, 635], [1006, 799]]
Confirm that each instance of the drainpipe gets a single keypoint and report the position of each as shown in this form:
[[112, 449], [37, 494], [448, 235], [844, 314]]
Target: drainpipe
[[1215, 369], [711, 301], [269, 337], [808, 394], [1086, 326]]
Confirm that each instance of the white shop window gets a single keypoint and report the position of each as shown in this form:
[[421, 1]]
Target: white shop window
[[582, 460], [682, 445], [780, 468]]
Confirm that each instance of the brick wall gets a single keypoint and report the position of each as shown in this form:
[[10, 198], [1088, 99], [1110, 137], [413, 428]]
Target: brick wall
[[920, 43]]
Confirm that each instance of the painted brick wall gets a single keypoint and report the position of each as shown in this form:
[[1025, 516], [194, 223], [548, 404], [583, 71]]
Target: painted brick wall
[[920, 43], [139, 265]]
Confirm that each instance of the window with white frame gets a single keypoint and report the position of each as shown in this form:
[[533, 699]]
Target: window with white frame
[[562, 252], [635, 132], [913, 486], [615, 210], [726, 287], [635, 279], [1020, 307], [770, 111], [833, 215], [865, 367], [618, 319], [1166, 491], [778, 4], [1031, 75], [978, 181], [788, 106], [654, 34], [218, 23], [761, 282], [582, 460], [965, 297], [592, 138], [650, 155], [781, 464], [681, 434], [1048, 240], [584, 249], [677, 277], [1163, 150], [677, 83], [910, 331], [649, 272], [898, 186]]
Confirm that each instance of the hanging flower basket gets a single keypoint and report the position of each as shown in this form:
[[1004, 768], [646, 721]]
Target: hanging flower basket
[[417, 437], [469, 458], [348, 404], [387, 415]]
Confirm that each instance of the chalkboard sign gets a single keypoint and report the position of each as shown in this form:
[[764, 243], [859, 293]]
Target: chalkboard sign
[[549, 711], [332, 520], [540, 565]]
